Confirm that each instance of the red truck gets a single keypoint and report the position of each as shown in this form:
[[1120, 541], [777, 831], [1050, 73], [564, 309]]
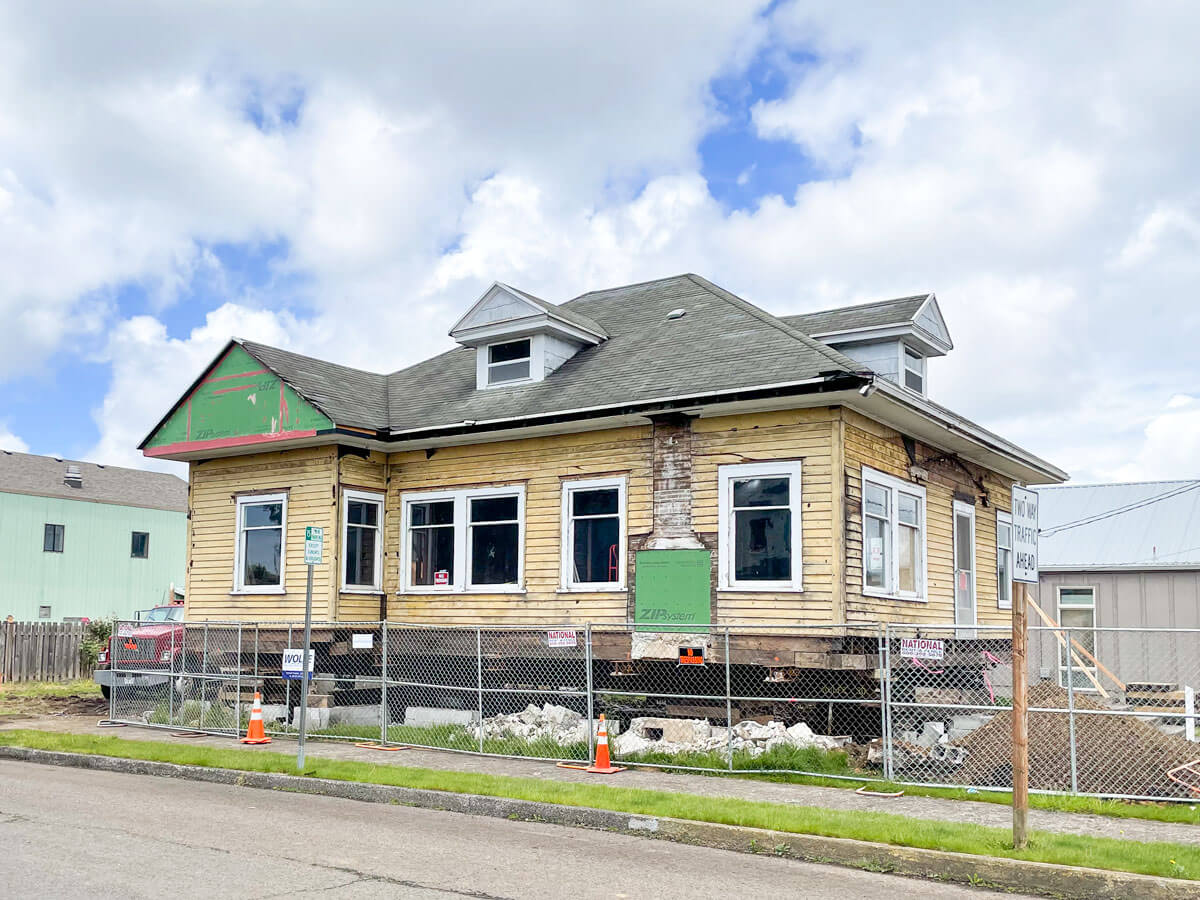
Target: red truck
[[148, 650]]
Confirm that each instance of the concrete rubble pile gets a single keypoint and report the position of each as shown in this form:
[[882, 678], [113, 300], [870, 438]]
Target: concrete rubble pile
[[562, 725], [690, 735]]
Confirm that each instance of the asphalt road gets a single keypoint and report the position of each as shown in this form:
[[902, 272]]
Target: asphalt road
[[73, 833]]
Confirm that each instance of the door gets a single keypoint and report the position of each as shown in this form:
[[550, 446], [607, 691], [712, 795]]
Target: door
[[964, 566]]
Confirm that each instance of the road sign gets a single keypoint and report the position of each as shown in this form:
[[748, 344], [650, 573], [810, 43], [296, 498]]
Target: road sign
[[291, 663], [314, 545], [1025, 535]]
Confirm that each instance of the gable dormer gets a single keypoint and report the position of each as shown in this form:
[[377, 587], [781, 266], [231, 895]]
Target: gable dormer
[[519, 338], [892, 338]]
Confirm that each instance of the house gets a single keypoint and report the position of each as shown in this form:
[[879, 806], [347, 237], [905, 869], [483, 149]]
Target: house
[[1122, 556], [82, 540], [663, 452]]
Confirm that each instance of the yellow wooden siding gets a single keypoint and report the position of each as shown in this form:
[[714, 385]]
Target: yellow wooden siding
[[307, 476], [541, 465], [805, 435], [367, 474], [879, 447]]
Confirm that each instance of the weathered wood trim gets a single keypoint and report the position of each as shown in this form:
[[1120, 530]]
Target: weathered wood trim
[[837, 517]]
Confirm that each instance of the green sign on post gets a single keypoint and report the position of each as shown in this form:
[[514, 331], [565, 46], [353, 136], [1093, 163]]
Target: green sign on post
[[314, 545]]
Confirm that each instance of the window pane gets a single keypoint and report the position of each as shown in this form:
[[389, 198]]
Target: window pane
[[876, 499], [1004, 571], [360, 556], [762, 545], [360, 512], [964, 551], [439, 512], [913, 380], [761, 492], [255, 515], [498, 353], [594, 503], [596, 554], [508, 372], [875, 552], [494, 553], [494, 509], [432, 552], [909, 509], [52, 538], [911, 358], [909, 553], [140, 545], [1076, 597], [261, 556]]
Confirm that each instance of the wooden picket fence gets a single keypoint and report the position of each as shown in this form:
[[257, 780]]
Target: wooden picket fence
[[41, 651]]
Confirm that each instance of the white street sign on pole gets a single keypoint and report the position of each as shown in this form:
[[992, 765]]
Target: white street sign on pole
[[1025, 535]]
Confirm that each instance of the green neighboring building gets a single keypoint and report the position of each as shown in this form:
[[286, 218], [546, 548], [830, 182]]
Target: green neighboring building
[[85, 540]]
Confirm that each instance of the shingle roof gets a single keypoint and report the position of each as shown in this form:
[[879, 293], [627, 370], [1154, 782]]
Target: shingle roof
[[1141, 525], [42, 476], [347, 396], [722, 343], [899, 311]]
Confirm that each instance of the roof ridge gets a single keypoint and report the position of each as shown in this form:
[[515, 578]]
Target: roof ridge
[[842, 361], [1104, 484], [621, 287], [108, 467], [319, 359], [866, 303]]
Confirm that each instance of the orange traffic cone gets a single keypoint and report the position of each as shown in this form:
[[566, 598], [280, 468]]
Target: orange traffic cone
[[255, 734], [603, 764]]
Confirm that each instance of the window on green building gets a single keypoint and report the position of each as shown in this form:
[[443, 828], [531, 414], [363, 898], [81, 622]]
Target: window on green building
[[140, 545], [52, 538]]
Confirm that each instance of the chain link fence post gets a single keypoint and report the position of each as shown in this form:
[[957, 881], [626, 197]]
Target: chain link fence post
[[728, 707], [287, 685], [479, 681], [171, 682], [1071, 713], [237, 701], [886, 700], [591, 708], [384, 715]]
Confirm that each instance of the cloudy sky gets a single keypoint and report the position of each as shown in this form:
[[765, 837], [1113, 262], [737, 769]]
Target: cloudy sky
[[346, 184]]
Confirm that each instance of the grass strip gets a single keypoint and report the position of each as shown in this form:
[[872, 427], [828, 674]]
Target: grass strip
[[48, 690], [1163, 859]]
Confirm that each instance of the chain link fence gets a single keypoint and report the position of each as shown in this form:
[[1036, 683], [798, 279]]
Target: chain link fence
[[1111, 711]]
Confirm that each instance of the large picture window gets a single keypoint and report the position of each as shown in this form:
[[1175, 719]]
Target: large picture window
[[261, 524], [759, 540], [465, 540], [1004, 560], [593, 535], [893, 545], [362, 545]]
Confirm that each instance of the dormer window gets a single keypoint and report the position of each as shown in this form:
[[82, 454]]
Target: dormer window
[[914, 371], [508, 362]]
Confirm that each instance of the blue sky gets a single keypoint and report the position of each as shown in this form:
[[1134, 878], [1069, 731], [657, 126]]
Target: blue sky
[[346, 186]]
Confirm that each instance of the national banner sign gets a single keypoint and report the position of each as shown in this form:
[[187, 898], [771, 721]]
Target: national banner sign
[[1025, 535], [562, 638], [922, 648], [291, 663]]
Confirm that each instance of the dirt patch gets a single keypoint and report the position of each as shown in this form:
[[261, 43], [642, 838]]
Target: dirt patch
[[16, 707], [1114, 754]]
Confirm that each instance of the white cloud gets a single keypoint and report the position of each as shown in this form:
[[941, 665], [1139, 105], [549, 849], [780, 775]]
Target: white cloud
[[10, 441], [1033, 166]]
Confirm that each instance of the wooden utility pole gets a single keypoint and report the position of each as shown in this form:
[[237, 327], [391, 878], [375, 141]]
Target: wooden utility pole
[[1020, 717]]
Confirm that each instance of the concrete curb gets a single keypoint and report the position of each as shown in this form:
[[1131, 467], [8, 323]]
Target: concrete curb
[[1042, 879]]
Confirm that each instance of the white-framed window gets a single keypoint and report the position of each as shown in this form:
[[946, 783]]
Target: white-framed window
[[261, 532], [510, 361], [758, 548], [593, 535], [464, 540], [893, 541], [1004, 560], [913, 371], [1077, 611], [362, 541]]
